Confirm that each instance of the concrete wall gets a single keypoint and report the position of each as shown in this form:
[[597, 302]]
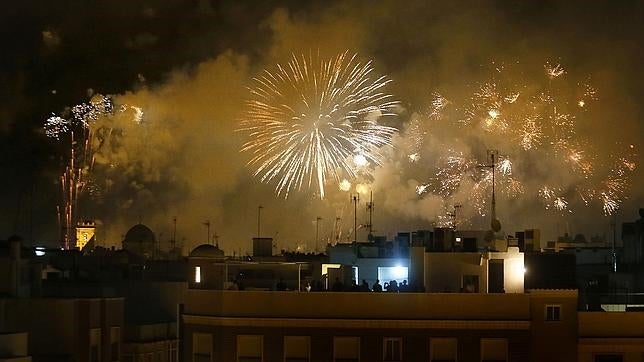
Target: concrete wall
[[13, 344], [456, 306], [615, 324], [553, 341], [444, 271], [415, 348], [611, 333], [513, 269], [60, 327]]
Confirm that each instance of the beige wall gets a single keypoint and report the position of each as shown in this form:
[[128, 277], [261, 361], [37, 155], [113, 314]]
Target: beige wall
[[553, 341], [13, 344], [611, 332], [444, 271], [513, 269], [61, 326], [359, 305]]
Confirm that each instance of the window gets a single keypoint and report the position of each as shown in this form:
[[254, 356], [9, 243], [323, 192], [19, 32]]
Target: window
[[397, 273], [201, 347], [553, 313], [443, 349], [608, 358], [95, 345], [392, 349], [346, 349], [197, 274], [172, 352], [494, 350], [249, 348], [297, 348], [115, 343]]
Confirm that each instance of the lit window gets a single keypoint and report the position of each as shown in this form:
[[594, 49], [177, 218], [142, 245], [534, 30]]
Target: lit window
[[197, 274], [346, 349], [392, 349], [297, 348], [443, 349], [553, 313], [494, 349], [398, 273]]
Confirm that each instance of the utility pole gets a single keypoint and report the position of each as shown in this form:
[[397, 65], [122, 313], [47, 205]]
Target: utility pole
[[317, 231], [259, 220]]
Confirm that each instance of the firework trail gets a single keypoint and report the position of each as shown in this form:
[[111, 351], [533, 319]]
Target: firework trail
[[315, 120], [78, 126], [526, 122]]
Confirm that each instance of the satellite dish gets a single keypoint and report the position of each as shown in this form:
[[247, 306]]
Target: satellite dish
[[495, 225]]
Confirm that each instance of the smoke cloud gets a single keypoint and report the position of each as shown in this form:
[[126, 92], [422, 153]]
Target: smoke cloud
[[182, 160]]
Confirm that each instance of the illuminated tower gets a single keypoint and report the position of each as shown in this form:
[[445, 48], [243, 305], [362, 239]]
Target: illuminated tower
[[85, 233]]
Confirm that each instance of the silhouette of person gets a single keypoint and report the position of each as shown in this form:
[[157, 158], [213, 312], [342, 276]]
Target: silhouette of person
[[393, 286], [377, 287], [404, 287], [364, 287]]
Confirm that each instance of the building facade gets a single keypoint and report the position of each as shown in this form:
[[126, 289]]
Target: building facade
[[290, 326]]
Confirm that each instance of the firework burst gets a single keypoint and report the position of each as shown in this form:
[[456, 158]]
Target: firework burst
[[532, 124], [77, 125], [311, 119]]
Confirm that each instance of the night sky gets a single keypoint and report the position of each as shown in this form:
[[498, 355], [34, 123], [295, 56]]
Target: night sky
[[188, 65]]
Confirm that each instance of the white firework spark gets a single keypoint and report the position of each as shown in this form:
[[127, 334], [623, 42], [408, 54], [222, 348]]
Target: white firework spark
[[308, 119]]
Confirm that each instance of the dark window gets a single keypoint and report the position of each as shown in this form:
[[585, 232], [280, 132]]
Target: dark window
[[553, 313], [93, 353], [609, 358], [115, 351], [495, 282], [392, 349]]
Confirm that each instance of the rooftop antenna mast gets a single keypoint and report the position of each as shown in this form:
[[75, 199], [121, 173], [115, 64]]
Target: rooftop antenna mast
[[317, 232], [492, 157], [355, 198], [613, 253], [174, 232], [336, 229], [370, 210], [259, 220]]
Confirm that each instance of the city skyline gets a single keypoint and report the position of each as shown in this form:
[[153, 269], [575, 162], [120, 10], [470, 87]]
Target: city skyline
[[179, 76]]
